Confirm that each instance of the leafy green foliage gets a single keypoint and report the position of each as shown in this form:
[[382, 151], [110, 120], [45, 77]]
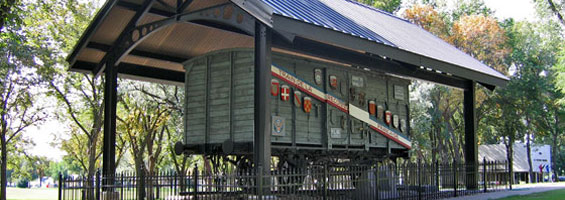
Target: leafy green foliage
[[547, 8], [390, 6], [471, 30], [559, 70], [470, 8]]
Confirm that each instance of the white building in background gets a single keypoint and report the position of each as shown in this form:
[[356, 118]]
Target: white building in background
[[541, 159]]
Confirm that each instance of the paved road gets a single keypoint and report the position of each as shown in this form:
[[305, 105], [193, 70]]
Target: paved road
[[516, 190]]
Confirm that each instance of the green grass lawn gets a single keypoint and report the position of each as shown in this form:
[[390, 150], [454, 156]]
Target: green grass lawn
[[31, 194], [550, 195]]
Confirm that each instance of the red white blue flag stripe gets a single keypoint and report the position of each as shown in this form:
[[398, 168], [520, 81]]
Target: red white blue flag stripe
[[352, 110]]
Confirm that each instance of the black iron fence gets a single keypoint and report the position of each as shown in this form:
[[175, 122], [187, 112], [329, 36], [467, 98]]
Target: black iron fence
[[402, 181]]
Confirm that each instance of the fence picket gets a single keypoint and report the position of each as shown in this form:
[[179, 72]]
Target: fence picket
[[409, 180]]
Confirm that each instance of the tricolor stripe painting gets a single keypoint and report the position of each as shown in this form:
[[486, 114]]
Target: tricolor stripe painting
[[352, 110]]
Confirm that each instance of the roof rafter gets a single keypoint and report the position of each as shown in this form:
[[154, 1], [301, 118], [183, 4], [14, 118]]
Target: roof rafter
[[115, 53], [140, 53], [135, 7], [138, 72]]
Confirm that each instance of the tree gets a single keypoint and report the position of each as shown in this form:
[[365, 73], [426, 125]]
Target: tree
[[469, 8], [428, 18], [144, 124], [390, 6], [481, 37], [54, 26], [17, 96], [7, 12], [57, 24], [81, 98], [554, 7], [65, 167], [40, 166], [504, 120], [469, 30], [534, 47], [559, 70]]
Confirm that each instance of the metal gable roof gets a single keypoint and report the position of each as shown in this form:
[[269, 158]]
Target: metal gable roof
[[359, 20]]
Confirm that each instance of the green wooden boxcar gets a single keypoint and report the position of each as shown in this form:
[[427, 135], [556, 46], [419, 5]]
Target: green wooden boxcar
[[318, 108]]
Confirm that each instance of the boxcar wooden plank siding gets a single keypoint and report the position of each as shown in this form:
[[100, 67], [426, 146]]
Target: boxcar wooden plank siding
[[220, 102], [195, 116]]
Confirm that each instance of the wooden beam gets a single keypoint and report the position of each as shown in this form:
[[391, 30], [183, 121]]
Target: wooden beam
[[146, 54], [113, 55], [138, 72], [135, 7], [183, 6]]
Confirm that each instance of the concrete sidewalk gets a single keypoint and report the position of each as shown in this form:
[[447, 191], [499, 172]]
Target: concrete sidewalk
[[516, 190]]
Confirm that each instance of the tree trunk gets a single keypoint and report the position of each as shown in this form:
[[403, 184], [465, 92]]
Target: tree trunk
[[140, 171], [510, 155], [3, 179], [91, 171], [529, 153], [555, 134]]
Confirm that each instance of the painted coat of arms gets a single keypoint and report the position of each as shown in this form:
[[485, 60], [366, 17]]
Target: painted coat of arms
[[278, 124]]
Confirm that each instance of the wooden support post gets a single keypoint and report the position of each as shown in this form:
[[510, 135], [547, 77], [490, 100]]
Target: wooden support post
[[262, 129], [110, 101], [471, 153]]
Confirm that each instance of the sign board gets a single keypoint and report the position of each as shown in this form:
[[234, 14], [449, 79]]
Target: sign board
[[541, 157], [398, 92]]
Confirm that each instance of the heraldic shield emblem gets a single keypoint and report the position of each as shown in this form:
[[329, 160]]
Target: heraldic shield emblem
[[318, 76], [333, 82], [380, 112], [274, 87], [372, 108], [307, 104], [388, 117], [278, 126], [297, 99], [395, 121], [285, 93], [403, 125]]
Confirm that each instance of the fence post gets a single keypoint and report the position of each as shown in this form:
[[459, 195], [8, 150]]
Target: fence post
[[195, 181], [60, 186], [156, 177], [122, 185], [98, 186], [419, 180], [437, 174], [455, 178], [377, 181], [325, 181], [485, 174]]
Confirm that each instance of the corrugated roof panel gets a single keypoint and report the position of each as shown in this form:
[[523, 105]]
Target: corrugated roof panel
[[366, 22], [320, 14]]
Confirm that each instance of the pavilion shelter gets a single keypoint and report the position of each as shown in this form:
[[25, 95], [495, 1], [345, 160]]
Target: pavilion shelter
[[149, 39]]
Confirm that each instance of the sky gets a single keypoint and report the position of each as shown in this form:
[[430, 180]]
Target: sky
[[517, 9], [45, 134]]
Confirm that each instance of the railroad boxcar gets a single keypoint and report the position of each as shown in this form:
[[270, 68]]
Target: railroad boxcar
[[320, 110]]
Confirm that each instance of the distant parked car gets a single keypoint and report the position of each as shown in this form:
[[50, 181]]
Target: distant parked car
[[561, 178]]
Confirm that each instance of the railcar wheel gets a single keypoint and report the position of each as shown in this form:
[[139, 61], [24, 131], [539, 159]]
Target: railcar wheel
[[290, 178], [245, 174]]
